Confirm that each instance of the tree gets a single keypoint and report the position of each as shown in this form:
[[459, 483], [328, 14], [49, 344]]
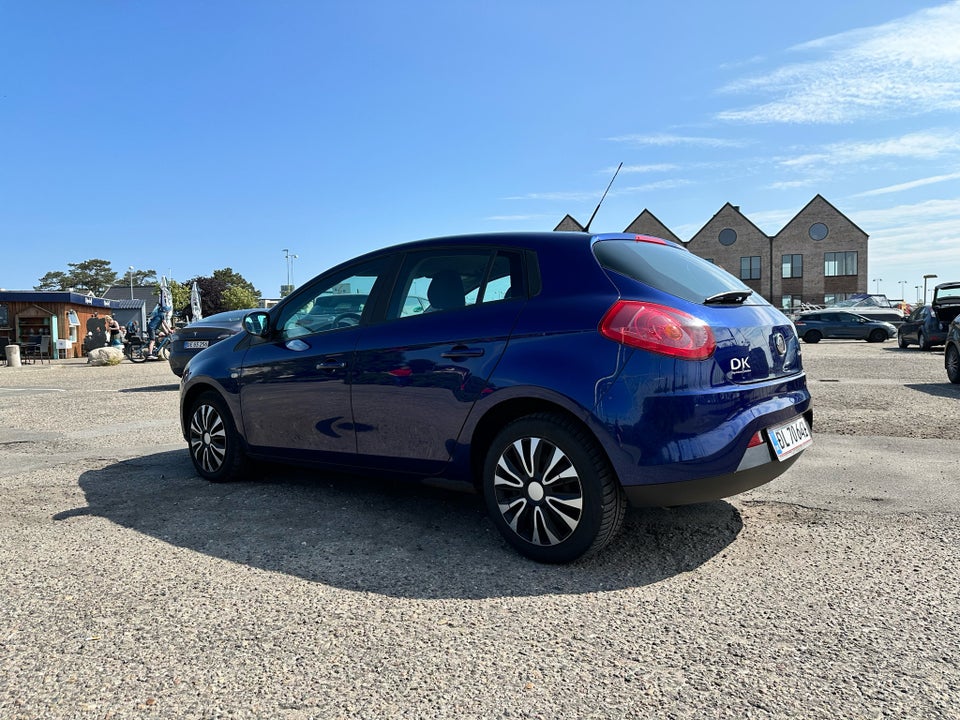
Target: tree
[[142, 278], [225, 290], [238, 297], [94, 276]]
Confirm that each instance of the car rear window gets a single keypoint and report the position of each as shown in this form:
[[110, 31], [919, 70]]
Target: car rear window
[[669, 269]]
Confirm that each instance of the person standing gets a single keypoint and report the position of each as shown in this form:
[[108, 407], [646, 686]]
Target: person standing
[[113, 330]]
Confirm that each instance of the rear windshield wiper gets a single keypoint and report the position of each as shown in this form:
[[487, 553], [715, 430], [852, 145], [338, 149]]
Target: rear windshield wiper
[[730, 297]]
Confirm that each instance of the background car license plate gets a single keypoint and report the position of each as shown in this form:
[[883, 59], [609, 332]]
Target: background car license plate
[[195, 344], [791, 438]]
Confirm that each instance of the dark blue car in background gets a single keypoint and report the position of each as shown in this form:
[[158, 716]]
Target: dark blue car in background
[[562, 374]]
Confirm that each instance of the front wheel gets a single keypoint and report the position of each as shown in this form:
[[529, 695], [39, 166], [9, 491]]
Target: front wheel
[[877, 336], [902, 341], [550, 490], [951, 361], [215, 445]]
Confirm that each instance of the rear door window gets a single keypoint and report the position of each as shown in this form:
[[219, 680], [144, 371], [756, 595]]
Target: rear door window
[[669, 269]]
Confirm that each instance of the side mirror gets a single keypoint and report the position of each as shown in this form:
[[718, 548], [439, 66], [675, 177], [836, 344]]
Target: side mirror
[[257, 323]]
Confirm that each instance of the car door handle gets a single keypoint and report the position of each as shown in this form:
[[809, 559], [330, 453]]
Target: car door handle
[[331, 365], [462, 351]]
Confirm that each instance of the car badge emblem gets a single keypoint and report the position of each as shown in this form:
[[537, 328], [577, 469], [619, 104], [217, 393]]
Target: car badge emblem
[[780, 343]]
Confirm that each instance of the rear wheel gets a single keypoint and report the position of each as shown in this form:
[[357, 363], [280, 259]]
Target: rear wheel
[[813, 336], [550, 490], [951, 361], [215, 445], [136, 354], [922, 341]]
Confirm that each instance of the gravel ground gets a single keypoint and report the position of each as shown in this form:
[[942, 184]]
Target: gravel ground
[[130, 588]]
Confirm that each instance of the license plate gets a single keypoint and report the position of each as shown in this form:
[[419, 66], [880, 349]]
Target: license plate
[[195, 344], [789, 439]]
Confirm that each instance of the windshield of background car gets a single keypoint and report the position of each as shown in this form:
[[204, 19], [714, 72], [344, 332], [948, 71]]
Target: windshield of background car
[[669, 269]]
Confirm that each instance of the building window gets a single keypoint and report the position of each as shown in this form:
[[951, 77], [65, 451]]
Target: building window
[[818, 231], [839, 263], [4, 316], [727, 236], [750, 268], [792, 266], [788, 302]]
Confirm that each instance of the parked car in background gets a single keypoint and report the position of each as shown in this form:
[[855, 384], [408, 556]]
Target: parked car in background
[[922, 328], [951, 352], [561, 374], [946, 305], [187, 341], [873, 306], [815, 325]]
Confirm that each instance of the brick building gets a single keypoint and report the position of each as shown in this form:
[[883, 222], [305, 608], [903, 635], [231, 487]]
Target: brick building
[[819, 257]]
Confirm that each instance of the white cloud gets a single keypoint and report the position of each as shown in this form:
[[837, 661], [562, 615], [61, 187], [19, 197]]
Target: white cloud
[[927, 145], [914, 238], [661, 167], [570, 196], [922, 182], [667, 139], [908, 66]]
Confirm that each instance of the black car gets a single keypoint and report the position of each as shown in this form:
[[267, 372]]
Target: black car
[[814, 325], [946, 306], [201, 334], [922, 328]]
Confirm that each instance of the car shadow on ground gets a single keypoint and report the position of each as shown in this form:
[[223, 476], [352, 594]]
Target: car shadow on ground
[[945, 389], [152, 388], [396, 539]]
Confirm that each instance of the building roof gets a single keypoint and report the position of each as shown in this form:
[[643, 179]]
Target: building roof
[[44, 296], [147, 294]]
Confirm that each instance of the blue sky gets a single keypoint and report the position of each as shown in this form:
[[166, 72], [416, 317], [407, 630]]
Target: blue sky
[[192, 136]]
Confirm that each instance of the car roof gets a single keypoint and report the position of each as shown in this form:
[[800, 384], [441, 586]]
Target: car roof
[[543, 240]]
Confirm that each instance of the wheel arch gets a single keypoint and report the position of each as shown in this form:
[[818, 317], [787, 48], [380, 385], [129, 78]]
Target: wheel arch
[[497, 417], [189, 395]]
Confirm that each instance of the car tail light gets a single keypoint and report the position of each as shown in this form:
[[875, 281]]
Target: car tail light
[[658, 328]]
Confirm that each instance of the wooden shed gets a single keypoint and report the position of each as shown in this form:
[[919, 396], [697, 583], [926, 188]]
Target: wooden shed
[[65, 317]]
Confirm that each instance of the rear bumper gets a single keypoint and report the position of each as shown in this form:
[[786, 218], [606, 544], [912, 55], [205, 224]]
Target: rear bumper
[[757, 468]]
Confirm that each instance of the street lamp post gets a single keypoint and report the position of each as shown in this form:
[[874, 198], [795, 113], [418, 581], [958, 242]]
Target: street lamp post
[[878, 281], [917, 288], [902, 283], [130, 270], [925, 278], [290, 258]]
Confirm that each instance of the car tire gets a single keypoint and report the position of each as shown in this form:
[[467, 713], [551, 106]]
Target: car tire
[[813, 337], [922, 343], [550, 490], [877, 336], [951, 361], [216, 448], [902, 341]]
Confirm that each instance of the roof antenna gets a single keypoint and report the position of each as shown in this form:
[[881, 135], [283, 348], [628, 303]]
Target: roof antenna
[[587, 228]]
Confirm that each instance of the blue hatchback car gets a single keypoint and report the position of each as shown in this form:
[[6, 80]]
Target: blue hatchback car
[[563, 375]]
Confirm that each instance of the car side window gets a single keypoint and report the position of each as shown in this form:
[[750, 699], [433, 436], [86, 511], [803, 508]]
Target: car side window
[[332, 303], [439, 281]]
